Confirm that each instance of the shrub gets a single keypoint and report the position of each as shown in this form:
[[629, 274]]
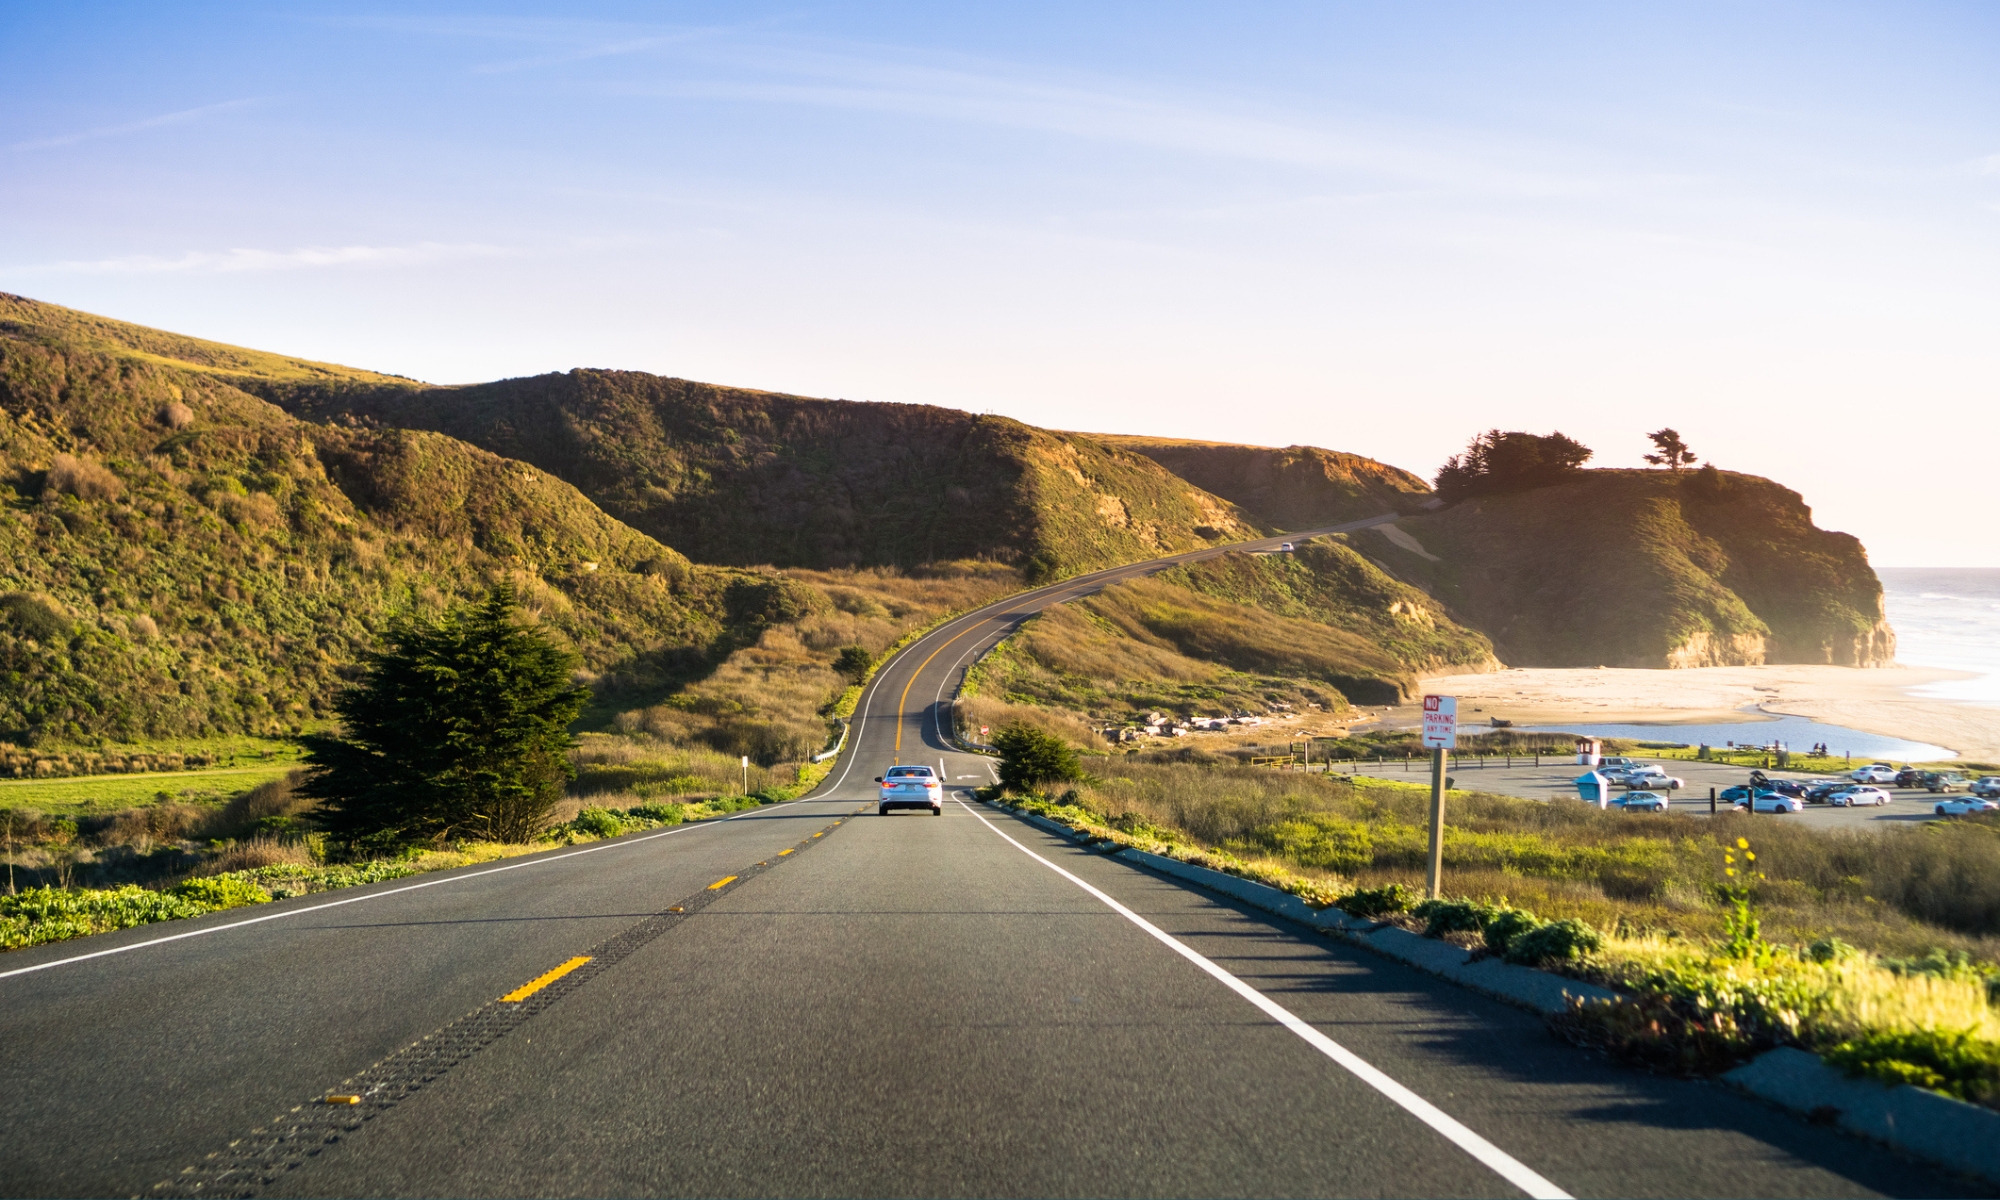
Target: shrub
[[222, 891], [1376, 902], [82, 478], [33, 616], [598, 822], [1955, 1063], [1506, 925], [1556, 941], [1452, 916], [665, 814], [176, 415]]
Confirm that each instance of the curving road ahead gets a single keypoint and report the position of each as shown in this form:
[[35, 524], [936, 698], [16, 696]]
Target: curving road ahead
[[810, 999]]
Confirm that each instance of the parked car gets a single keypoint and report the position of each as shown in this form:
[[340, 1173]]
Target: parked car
[[911, 787], [1616, 762], [1772, 802], [1735, 796], [1859, 796], [1909, 777], [1943, 781], [1786, 787], [1877, 773], [1987, 786], [1641, 802], [1961, 806], [1822, 793], [1650, 775]]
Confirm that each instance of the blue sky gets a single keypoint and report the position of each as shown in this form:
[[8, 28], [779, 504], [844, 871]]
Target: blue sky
[[1372, 227]]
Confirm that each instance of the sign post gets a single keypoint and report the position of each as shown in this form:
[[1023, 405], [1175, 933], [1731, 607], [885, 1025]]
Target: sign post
[[746, 774], [1440, 736]]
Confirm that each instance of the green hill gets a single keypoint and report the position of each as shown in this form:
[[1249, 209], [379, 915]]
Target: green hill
[[1648, 569], [181, 559], [1296, 487], [736, 476]]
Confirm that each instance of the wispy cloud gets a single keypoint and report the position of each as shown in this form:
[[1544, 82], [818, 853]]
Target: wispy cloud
[[172, 118], [231, 261]]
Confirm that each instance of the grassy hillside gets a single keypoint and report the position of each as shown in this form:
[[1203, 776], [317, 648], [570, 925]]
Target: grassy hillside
[[1648, 569], [744, 477], [1240, 632], [1296, 487], [179, 559]]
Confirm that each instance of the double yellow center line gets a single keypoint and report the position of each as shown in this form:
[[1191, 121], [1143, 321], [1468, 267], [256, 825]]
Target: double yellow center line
[[541, 981]]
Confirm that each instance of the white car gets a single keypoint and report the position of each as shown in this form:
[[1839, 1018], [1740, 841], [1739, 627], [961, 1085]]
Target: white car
[[1874, 773], [1859, 796], [1987, 786], [1651, 776], [1287, 548], [1641, 802], [1616, 765], [1965, 806], [1774, 802], [911, 787]]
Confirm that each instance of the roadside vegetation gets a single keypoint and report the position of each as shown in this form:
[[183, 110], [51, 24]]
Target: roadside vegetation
[[1880, 949]]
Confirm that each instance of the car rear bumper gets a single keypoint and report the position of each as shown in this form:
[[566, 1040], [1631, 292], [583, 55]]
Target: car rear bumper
[[908, 802]]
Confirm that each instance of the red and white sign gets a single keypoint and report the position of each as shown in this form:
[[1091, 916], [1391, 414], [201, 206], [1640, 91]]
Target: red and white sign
[[1440, 722]]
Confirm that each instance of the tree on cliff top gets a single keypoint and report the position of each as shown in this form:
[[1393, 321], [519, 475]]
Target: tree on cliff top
[[1673, 452], [1510, 461], [460, 729]]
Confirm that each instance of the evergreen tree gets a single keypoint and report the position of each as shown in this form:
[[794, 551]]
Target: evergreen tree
[[1510, 461], [1673, 452], [1031, 760], [459, 730]]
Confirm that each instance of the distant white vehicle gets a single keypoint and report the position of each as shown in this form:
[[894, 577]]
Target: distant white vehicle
[[1965, 806], [1650, 775], [1617, 762], [910, 787], [1286, 548], [1874, 773], [1859, 796], [1641, 802]]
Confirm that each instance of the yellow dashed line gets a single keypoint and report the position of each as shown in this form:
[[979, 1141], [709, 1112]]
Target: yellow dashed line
[[725, 881], [538, 983], [341, 1100], [782, 853]]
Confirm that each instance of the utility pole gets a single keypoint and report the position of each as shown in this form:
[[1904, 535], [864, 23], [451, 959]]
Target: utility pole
[[1440, 736]]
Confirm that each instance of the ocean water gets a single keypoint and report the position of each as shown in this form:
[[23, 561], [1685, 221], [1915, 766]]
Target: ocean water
[[1947, 618], [1943, 617]]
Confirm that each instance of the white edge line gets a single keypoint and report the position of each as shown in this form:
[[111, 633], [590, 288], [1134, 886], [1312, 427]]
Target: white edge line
[[530, 861], [1495, 1159]]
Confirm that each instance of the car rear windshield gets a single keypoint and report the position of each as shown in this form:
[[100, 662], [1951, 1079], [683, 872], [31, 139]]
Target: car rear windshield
[[910, 772]]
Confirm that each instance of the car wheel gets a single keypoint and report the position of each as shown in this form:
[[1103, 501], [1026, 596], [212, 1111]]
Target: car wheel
[[1940, 810], [882, 811], [937, 810]]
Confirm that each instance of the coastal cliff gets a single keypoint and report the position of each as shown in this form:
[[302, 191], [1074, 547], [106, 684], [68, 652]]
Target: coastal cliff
[[1647, 569]]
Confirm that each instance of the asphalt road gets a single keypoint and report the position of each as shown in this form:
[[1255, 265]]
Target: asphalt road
[[901, 1005]]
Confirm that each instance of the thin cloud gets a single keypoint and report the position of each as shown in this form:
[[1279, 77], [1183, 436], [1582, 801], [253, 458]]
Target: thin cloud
[[239, 260], [172, 118]]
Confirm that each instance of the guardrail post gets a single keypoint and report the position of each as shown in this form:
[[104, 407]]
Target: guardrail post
[[1711, 802]]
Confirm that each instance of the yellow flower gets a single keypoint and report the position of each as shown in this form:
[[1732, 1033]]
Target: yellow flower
[[1742, 843], [1730, 871], [1751, 855]]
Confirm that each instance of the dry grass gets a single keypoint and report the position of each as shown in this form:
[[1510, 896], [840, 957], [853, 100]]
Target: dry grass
[[264, 851], [1897, 893]]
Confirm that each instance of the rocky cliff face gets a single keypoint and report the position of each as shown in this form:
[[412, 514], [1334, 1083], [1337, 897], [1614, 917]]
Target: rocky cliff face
[[1649, 569]]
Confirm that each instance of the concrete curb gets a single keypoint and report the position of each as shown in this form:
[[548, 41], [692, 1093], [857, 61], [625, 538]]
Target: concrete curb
[[1944, 1130], [1963, 1136]]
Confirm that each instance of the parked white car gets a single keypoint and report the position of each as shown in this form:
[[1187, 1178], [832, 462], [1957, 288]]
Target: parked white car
[[1649, 775], [911, 787], [1859, 796], [1963, 806], [1773, 802], [1874, 773], [1641, 802]]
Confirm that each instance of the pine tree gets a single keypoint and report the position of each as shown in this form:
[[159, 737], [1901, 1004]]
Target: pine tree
[[1673, 452], [1031, 759], [459, 730]]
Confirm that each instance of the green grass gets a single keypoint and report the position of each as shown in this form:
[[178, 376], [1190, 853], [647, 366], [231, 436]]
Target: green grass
[[103, 793]]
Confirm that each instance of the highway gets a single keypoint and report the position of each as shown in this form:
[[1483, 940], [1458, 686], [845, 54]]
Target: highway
[[810, 999]]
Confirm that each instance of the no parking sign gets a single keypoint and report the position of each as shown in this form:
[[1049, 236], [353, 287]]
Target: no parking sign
[[1440, 722]]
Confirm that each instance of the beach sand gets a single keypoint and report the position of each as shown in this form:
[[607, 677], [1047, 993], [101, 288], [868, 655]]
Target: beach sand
[[1876, 700]]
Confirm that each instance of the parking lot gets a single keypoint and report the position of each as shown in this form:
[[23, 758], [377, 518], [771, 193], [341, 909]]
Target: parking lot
[[1555, 780]]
